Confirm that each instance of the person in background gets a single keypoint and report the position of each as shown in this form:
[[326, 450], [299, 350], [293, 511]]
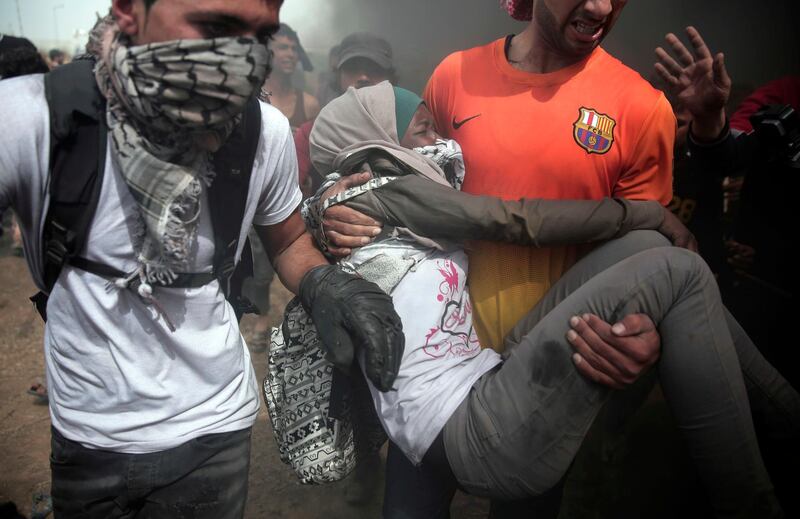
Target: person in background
[[287, 53], [361, 59], [57, 57], [299, 107], [784, 90], [19, 57], [328, 80]]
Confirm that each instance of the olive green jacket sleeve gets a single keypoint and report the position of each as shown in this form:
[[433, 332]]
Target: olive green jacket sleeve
[[438, 212]]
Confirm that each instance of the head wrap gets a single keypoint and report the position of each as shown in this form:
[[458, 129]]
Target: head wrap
[[170, 105], [518, 9], [405, 106], [361, 120]]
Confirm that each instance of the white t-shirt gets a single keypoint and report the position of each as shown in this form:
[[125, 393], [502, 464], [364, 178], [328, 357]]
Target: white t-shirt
[[118, 379], [442, 357]]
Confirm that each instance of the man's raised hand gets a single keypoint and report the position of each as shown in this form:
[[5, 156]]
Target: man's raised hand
[[699, 80]]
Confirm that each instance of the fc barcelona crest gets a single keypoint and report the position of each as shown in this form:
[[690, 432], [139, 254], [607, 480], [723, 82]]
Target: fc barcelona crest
[[594, 131]]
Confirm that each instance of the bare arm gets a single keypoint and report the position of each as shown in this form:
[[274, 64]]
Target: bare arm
[[290, 249]]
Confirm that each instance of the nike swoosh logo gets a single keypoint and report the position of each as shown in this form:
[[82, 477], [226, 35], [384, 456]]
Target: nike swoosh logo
[[459, 124]]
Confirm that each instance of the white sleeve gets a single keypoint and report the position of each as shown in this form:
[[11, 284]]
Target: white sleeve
[[276, 163], [24, 156]]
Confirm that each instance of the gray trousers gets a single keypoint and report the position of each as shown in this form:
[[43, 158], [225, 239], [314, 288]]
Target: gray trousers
[[519, 429]]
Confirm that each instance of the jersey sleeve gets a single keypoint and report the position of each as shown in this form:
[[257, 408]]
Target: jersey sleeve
[[647, 174], [277, 161]]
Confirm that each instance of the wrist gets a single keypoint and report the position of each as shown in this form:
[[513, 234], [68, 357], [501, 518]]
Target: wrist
[[312, 282], [708, 129], [646, 214]]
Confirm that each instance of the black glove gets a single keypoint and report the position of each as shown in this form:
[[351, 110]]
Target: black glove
[[352, 313]]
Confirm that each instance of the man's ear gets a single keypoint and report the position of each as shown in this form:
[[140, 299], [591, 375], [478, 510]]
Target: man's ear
[[125, 13]]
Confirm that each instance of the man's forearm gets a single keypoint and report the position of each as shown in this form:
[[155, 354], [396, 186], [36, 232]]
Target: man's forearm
[[297, 259], [291, 249]]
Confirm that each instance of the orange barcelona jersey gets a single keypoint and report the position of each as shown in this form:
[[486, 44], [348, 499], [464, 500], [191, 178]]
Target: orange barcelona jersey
[[592, 130]]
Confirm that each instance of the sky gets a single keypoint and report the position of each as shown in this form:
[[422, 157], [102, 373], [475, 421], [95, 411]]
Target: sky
[[47, 21]]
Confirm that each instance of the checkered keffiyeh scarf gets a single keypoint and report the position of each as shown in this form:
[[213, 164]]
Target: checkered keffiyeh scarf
[[170, 106], [518, 9]]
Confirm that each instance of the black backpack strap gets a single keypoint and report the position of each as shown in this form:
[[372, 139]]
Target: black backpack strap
[[233, 165], [77, 159], [77, 156]]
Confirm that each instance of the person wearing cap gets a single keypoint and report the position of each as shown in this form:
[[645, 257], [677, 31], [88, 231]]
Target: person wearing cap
[[361, 59], [287, 52], [364, 60]]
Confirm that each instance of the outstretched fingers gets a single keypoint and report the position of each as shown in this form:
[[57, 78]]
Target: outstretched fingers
[[668, 63], [721, 77], [699, 45], [679, 49]]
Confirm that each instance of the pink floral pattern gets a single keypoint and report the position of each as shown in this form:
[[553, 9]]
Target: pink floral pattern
[[450, 338]]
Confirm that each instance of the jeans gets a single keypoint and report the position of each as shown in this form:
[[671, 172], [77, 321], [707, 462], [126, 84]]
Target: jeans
[[203, 478]]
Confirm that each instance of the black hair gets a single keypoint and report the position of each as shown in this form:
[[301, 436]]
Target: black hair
[[21, 61]]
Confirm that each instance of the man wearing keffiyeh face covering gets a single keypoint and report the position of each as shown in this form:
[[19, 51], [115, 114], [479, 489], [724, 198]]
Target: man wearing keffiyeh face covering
[[152, 392]]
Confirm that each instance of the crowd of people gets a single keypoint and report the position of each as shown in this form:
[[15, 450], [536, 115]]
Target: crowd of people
[[496, 291]]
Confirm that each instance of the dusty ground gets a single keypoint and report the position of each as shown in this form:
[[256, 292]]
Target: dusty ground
[[644, 469]]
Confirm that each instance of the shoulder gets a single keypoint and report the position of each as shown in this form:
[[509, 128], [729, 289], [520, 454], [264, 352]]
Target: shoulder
[[23, 102], [452, 65], [311, 105], [275, 128], [26, 119], [628, 84]]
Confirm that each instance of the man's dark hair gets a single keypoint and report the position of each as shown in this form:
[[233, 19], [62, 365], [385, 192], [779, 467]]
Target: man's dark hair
[[19, 57]]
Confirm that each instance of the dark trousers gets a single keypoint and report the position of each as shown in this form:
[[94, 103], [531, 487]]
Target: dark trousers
[[425, 492], [203, 478]]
